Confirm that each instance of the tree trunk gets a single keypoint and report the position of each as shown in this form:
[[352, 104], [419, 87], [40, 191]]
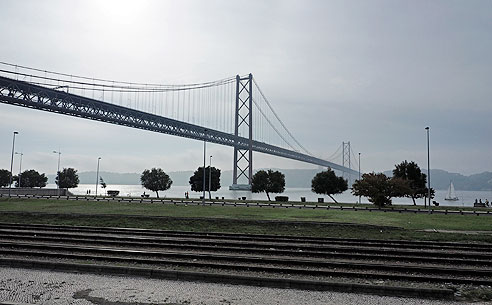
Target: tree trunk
[[268, 196], [209, 195], [413, 199], [333, 198], [157, 193]]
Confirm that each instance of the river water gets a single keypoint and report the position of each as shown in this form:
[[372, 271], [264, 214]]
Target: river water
[[466, 198]]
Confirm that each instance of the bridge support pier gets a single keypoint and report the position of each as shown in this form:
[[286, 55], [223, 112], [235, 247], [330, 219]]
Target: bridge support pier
[[346, 153], [243, 158]]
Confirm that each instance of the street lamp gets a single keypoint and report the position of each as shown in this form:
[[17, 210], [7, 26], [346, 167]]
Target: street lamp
[[359, 174], [20, 167], [58, 171], [97, 174], [204, 160], [12, 162], [428, 169], [210, 179]]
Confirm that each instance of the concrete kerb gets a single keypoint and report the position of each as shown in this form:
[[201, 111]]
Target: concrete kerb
[[427, 293]]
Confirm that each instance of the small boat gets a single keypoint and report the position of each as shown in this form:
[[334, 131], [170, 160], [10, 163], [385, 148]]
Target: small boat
[[451, 196]]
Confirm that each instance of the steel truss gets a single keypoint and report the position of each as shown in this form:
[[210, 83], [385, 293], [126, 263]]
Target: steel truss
[[20, 93], [346, 153], [243, 158]]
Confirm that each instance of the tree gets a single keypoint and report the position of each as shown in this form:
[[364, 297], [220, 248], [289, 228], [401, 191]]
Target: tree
[[411, 172], [67, 178], [426, 194], [103, 184], [377, 187], [196, 181], [268, 182], [155, 180], [400, 186], [328, 183], [4, 177], [31, 178]]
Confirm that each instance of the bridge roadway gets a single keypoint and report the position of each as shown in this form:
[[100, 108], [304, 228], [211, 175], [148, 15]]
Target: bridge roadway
[[20, 93]]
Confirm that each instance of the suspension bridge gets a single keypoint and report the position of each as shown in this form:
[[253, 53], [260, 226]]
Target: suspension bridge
[[232, 111]]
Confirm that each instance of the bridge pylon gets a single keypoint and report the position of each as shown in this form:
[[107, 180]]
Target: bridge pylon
[[243, 158], [346, 161]]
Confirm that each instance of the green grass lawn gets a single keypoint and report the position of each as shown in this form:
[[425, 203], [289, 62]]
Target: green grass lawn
[[406, 223], [395, 205]]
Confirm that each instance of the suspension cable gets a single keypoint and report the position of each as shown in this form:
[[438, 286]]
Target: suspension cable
[[280, 121], [276, 130], [232, 78]]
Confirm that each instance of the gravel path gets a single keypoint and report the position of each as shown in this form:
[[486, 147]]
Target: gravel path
[[47, 287]]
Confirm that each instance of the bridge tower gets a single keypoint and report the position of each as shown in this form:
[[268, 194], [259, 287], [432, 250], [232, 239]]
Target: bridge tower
[[243, 158], [346, 161]]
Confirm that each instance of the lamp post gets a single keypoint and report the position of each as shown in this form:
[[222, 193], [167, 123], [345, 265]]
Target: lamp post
[[20, 167], [97, 174], [12, 161], [359, 174], [210, 179], [428, 169], [58, 171], [204, 160]]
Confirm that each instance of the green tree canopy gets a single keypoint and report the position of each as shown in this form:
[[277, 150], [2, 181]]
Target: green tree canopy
[[328, 183], [411, 172], [426, 193], [155, 180], [4, 177], [268, 182], [67, 178], [377, 187], [31, 178], [196, 181], [103, 183]]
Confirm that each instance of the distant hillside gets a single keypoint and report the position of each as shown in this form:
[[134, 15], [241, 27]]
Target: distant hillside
[[298, 178], [440, 180]]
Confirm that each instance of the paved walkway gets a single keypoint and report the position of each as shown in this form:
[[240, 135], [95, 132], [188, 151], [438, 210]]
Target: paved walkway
[[46, 287], [459, 232]]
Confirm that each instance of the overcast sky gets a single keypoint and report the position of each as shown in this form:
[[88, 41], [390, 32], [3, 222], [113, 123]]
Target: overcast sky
[[374, 73]]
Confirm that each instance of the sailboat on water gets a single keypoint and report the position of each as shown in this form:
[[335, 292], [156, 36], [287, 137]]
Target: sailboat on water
[[451, 196]]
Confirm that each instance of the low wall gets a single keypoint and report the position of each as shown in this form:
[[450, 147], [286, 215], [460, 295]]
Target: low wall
[[34, 191]]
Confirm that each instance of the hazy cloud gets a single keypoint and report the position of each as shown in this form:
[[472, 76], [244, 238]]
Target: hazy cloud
[[371, 72]]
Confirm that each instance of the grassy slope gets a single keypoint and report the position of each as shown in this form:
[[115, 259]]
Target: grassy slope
[[403, 220], [407, 221]]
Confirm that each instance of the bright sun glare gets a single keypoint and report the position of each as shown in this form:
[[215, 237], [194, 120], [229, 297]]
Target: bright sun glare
[[120, 10]]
